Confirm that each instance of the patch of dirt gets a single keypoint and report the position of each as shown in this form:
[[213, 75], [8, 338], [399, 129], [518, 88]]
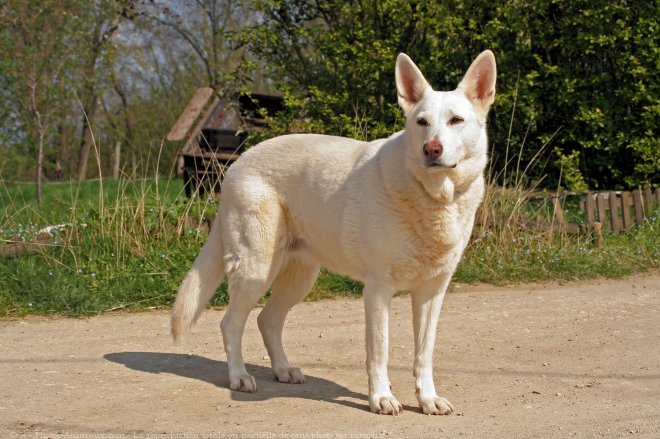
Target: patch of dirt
[[580, 359]]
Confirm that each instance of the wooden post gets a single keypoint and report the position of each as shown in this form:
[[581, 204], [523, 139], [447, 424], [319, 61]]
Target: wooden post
[[558, 215], [590, 209], [602, 216], [648, 199], [598, 232], [614, 212], [638, 203], [117, 160], [626, 202]]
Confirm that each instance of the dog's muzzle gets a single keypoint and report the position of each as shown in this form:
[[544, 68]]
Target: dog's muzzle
[[433, 155]]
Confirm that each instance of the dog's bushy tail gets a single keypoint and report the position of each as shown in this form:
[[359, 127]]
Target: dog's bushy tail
[[199, 285]]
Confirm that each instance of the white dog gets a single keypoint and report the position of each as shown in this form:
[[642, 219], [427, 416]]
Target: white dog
[[394, 213]]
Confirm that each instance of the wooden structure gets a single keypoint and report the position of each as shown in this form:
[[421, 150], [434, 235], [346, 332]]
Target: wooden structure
[[616, 210], [612, 211], [215, 129]]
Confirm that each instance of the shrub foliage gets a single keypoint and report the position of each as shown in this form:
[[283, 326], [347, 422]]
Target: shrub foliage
[[578, 93]]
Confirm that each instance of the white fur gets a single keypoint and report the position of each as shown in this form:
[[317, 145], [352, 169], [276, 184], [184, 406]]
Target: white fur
[[374, 211]]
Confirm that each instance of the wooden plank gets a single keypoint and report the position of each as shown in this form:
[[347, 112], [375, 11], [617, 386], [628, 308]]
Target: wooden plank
[[626, 202], [648, 199], [614, 212], [572, 228], [590, 209], [190, 114], [598, 233], [191, 145], [638, 204], [657, 195], [558, 214], [601, 205]]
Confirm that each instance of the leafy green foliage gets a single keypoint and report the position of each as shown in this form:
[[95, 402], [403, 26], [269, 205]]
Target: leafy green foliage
[[577, 80]]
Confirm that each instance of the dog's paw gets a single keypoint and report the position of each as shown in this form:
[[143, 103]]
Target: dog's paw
[[243, 383], [291, 375], [435, 405], [386, 405]]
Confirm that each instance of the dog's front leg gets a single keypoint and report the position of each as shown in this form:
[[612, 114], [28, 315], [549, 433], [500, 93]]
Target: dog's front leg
[[426, 303], [377, 299]]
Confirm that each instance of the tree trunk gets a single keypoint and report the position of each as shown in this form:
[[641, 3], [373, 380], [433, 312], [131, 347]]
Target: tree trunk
[[85, 145], [133, 165], [117, 161], [40, 165]]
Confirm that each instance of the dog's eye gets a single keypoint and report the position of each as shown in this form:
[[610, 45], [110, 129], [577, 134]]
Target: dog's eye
[[456, 120], [423, 122]]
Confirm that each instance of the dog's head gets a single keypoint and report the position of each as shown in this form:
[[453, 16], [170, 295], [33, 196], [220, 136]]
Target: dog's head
[[446, 128]]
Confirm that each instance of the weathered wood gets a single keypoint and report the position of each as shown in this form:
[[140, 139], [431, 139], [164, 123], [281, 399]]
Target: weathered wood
[[191, 144], [598, 233], [614, 212], [590, 209], [626, 203], [558, 214], [625, 210], [572, 228], [638, 204], [190, 114], [601, 205], [648, 200]]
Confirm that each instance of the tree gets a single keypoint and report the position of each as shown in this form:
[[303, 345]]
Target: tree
[[101, 22], [37, 40], [103, 65], [577, 81], [210, 28]]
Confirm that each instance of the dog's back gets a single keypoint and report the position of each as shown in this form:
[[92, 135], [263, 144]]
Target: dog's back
[[352, 206]]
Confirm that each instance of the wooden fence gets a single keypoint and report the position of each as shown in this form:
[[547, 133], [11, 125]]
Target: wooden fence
[[609, 210]]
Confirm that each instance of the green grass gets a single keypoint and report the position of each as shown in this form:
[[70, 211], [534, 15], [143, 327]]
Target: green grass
[[124, 245], [118, 250], [528, 257]]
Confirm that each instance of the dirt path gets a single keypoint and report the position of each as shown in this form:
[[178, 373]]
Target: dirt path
[[575, 360]]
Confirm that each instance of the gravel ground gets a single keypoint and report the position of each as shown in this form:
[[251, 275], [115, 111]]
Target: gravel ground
[[542, 360]]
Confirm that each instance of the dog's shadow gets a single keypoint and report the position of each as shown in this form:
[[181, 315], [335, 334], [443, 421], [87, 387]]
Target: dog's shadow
[[215, 372]]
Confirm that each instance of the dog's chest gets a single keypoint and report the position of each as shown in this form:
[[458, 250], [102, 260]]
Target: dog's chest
[[432, 238]]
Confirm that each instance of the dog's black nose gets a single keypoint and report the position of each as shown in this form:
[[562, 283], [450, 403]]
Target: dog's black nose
[[433, 149]]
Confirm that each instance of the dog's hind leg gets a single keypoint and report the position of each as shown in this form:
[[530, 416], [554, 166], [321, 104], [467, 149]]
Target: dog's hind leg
[[291, 285], [253, 258], [241, 301]]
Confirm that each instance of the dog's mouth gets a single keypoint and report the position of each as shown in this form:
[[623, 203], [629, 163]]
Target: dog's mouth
[[440, 164]]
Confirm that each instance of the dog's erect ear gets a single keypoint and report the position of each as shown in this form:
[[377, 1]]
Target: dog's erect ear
[[410, 83], [478, 84]]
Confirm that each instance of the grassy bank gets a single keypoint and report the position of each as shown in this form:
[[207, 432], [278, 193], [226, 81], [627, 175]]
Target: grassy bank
[[126, 245]]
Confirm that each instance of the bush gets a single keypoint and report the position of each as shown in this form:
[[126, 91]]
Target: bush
[[577, 80]]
